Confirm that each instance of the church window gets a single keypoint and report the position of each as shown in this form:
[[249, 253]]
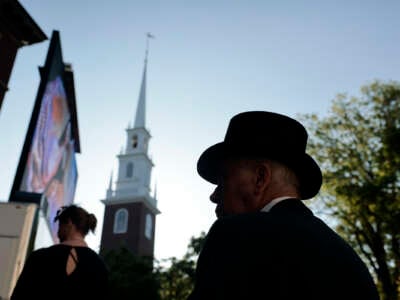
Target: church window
[[121, 221], [148, 227], [134, 141], [129, 170]]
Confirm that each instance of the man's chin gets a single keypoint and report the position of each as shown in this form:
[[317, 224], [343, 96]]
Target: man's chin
[[219, 212]]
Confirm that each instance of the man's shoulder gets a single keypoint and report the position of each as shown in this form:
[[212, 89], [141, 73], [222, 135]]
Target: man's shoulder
[[289, 220], [244, 223], [283, 212]]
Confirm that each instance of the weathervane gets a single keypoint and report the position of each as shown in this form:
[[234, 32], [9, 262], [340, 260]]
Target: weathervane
[[148, 36]]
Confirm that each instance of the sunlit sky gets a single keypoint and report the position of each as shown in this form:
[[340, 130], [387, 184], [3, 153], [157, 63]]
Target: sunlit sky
[[209, 60]]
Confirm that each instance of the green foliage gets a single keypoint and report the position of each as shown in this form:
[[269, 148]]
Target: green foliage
[[358, 147], [176, 276], [131, 277]]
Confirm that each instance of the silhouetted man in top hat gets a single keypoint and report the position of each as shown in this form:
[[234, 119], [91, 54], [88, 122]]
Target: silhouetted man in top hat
[[266, 244]]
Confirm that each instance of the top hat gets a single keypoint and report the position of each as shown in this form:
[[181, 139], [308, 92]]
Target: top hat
[[262, 134]]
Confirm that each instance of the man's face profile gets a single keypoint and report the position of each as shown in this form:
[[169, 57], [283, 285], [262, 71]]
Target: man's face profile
[[233, 194]]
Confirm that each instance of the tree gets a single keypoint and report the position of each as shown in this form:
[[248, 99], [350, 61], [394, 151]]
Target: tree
[[131, 277], [177, 280], [358, 147]]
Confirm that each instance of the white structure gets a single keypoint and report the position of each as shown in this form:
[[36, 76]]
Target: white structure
[[129, 216], [16, 222]]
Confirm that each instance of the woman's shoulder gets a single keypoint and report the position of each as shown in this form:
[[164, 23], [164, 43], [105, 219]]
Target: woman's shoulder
[[89, 259], [43, 257], [51, 250], [55, 248], [88, 252]]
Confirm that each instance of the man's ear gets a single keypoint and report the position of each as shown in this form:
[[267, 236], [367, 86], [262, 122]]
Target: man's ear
[[263, 175]]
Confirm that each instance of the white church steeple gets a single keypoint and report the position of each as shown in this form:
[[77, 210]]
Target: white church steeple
[[130, 211], [135, 164]]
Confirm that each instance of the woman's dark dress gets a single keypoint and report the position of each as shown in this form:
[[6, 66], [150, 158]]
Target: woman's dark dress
[[44, 275]]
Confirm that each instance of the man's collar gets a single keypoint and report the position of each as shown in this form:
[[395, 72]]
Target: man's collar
[[268, 207]]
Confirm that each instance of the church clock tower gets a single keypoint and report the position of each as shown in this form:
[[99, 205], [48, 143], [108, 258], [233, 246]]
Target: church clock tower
[[130, 211]]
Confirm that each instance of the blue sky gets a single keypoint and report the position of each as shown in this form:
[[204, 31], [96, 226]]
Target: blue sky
[[209, 61]]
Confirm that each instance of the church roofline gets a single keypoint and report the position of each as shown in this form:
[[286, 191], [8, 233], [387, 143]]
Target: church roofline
[[136, 154], [123, 200], [139, 128]]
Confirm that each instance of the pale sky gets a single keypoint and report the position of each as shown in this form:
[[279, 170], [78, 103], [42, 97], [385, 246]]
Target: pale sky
[[209, 61]]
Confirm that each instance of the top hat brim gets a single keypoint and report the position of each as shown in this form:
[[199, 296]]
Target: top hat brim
[[305, 167]]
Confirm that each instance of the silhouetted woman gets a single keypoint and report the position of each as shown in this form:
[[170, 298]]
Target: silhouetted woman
[[69, 270]]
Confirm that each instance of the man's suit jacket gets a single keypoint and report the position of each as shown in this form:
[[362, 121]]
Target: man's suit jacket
[[286, 253]]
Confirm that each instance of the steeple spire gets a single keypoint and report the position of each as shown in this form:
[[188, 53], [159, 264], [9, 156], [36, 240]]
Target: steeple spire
[[111, 180], [109, 192], [141, 108]]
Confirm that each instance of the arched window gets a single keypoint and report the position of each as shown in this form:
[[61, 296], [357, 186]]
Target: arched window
[[148, 227], [121, 220], [129, 170]]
